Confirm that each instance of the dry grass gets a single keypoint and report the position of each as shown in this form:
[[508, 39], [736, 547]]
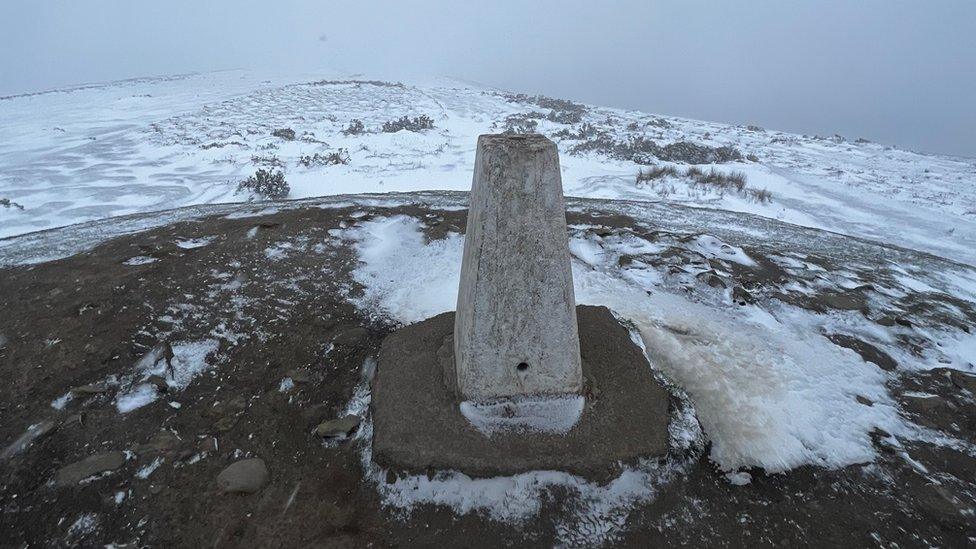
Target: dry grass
[[711, 180]]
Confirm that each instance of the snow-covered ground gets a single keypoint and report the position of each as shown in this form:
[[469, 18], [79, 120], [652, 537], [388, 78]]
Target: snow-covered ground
[[140, 145]]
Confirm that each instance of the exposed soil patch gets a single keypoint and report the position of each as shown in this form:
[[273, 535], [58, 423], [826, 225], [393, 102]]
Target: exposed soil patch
[[262, 330]]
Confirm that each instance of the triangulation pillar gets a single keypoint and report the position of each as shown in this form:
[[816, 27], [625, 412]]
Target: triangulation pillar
[[515, 332]]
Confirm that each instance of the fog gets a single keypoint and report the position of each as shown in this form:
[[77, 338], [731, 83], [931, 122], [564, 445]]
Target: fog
[[895, 72]]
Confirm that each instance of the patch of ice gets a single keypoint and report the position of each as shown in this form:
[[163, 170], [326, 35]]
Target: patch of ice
[[189, 361], [279, 251], [194, 242], [287, 384], [149, 469], [251, 213], [62, 401], [555, 414], [713, 248], [85, 524], [137, 397], [740, 478], [587, 250], [139, 260]]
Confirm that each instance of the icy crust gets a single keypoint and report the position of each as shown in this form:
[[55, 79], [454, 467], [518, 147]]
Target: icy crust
[[528, 414], [769, 388]]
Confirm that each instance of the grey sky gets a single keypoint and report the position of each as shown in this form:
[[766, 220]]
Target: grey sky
[[896, 72]]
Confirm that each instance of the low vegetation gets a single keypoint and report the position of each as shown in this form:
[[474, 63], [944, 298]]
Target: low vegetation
[[416, 124], [335, 158], [266, 184], [355, 127], [710, 180], [7, 203], [287, 134]]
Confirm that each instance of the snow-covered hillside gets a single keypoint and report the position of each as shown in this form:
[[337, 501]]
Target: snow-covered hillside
[[156, 143]]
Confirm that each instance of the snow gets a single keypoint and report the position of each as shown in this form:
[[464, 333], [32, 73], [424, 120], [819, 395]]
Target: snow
[[405, 278], [769, 389], [194, 243], [137, 397], [139, 260], [287, 384], [149, 469], [149, 144]]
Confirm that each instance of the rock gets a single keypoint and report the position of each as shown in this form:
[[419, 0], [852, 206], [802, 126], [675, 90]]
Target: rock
[[159, 382], [864, 400], [74, 473], [33, 433], [208, 444], [711, 279], [338, 428], [90, 389], [940, 504], [847, 301], [868, 352], [299, 376], [225, 424], [350, 338], [162, 442], [246, 476], [741, 296], [963, 381], [924, 404]]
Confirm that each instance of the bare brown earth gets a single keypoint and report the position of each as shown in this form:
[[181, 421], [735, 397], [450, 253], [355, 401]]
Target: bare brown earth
[[78, 321]]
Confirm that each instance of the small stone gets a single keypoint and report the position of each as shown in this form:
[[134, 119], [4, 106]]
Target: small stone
[[847, 301], [161, 442], [208, 444], [963, 381], [338, 428], [159, 382], [350, 338], [225, 424], [74, 473], [941, 504], [741, 296], [155, 489], [246, 476], [90, 389], [299, 376]]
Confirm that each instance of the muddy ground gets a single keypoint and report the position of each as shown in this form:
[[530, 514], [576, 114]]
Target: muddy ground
[[84, 321]]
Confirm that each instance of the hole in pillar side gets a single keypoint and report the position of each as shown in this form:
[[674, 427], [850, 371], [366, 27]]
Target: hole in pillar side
[[522, 366]]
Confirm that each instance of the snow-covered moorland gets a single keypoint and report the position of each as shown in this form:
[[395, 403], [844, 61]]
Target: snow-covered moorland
[[156, 143]]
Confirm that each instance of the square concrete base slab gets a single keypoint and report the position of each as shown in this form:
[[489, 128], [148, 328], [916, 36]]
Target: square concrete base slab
[[418, 426]]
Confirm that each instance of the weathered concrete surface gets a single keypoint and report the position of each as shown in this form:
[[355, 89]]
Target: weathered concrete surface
[[418, 426], [516, 332]]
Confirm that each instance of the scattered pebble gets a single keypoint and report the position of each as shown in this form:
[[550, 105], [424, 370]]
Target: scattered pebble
[[246, 476], [338, 428]]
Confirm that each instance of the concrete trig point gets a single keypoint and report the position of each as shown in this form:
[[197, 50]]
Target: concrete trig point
[[520, 378], [515, 332]]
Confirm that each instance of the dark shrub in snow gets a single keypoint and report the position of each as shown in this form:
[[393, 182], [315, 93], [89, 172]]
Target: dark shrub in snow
[[355, 127], [328, 159], [266, 184], [416, 124], [287, 134]]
